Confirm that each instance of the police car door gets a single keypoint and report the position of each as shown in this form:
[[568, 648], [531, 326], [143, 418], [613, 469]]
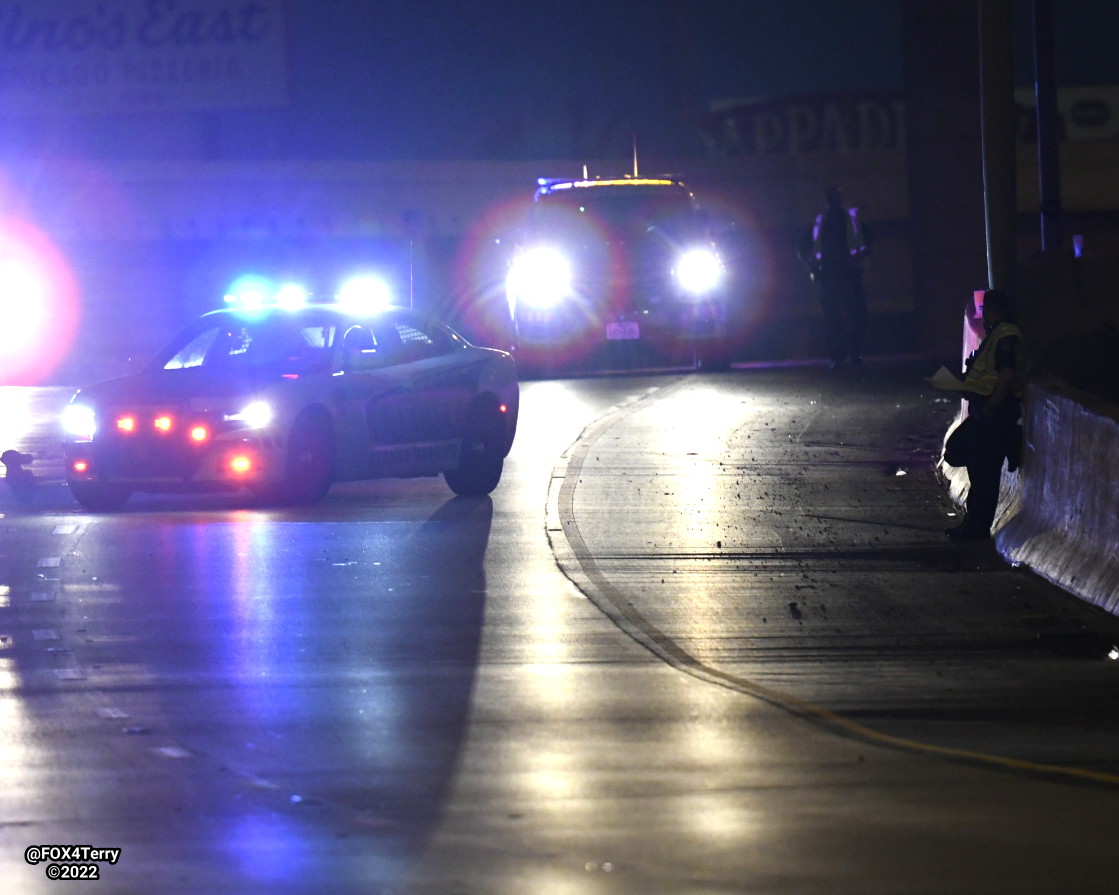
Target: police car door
[[368, 373], [417, 427]]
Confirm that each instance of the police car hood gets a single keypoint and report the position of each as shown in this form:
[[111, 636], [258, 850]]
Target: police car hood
[[177, 387]]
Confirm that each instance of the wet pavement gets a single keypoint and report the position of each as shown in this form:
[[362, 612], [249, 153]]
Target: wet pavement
[[707, 636]]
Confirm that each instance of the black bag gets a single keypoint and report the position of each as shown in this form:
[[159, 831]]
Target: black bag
[[962, 445]]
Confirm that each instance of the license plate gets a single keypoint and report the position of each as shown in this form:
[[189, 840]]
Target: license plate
[[620, 330]]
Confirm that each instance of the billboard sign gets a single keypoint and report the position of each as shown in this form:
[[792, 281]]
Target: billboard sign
[[1085, 113], [838, 122], [130, 56]]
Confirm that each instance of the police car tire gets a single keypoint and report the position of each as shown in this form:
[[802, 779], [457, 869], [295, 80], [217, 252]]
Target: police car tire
[[100, 497], [477, 474], [482, 456], [310, 463]]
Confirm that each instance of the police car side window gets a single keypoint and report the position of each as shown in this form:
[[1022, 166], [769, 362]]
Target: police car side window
[[415, 343], [361, 350], [304, 349], [399, 342], [422, 339]]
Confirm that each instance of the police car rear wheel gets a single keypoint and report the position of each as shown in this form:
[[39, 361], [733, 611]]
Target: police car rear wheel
[[99, 497]]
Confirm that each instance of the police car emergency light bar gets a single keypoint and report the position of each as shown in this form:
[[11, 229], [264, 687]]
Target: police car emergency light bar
[[363, 293]]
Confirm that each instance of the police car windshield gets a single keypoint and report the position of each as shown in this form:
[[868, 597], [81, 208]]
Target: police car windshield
[[620, 207], [234, 344]]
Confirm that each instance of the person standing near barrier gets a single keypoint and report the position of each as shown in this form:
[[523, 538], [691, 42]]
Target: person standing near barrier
[[838, 248], [993, 385]]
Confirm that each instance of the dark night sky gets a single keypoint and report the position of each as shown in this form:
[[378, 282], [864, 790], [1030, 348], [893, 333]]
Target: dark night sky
[[492, 78], [523, 79], [552, 77]]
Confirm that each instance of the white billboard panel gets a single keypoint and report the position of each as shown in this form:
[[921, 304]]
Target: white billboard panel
[[97, 56]]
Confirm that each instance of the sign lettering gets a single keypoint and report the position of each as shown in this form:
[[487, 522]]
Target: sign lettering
[[89, 56]]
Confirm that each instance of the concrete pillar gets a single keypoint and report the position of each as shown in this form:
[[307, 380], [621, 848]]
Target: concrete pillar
[[944, 165], [996, 57]]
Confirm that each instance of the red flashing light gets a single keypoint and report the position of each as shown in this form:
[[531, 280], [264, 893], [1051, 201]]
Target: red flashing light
[[240, 464], [199, 433], [80, 466], [163, 423], [126, 424], [504, 408]]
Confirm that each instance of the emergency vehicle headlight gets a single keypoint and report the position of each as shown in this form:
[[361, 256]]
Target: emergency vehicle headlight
[[79, 422], [699, 271], [256, 415], [540, 278]]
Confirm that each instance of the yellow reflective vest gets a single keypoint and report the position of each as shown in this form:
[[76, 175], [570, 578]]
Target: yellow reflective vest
[[982, 374]]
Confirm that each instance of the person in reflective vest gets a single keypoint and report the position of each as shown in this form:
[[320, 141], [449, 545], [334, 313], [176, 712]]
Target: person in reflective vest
[[993, 385], [838, 248]]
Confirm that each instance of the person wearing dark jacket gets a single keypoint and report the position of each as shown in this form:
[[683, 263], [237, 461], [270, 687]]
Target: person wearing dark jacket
[[835, 263]]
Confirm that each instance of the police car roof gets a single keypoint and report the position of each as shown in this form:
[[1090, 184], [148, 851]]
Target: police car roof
[[311, 308], [548, 185]]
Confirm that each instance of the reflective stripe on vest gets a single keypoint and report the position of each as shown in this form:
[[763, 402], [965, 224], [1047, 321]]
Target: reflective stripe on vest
[[856, 245]]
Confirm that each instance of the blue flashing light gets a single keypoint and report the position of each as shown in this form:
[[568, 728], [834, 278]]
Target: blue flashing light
[[250, 292], [292, 296], [359, 294]]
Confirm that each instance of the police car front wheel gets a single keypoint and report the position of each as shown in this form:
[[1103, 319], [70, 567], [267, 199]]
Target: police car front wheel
[[478, 472], [309, 472]]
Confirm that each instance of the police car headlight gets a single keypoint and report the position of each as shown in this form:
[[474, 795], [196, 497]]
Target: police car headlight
[[699, 271], [540, 278], [79, 422], [256, 415]]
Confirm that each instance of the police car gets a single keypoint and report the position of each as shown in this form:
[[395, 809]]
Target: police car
[[288, 395], [604, 266]]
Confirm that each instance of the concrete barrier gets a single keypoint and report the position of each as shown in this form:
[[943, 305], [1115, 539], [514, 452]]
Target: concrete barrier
[[1059, 514]]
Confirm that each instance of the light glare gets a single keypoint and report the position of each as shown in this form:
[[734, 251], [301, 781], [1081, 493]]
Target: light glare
[[256, 415], [699, 271], [250, 292], [364, 293], [79, 421], [38, 300], [540, 278], [291, 296]]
